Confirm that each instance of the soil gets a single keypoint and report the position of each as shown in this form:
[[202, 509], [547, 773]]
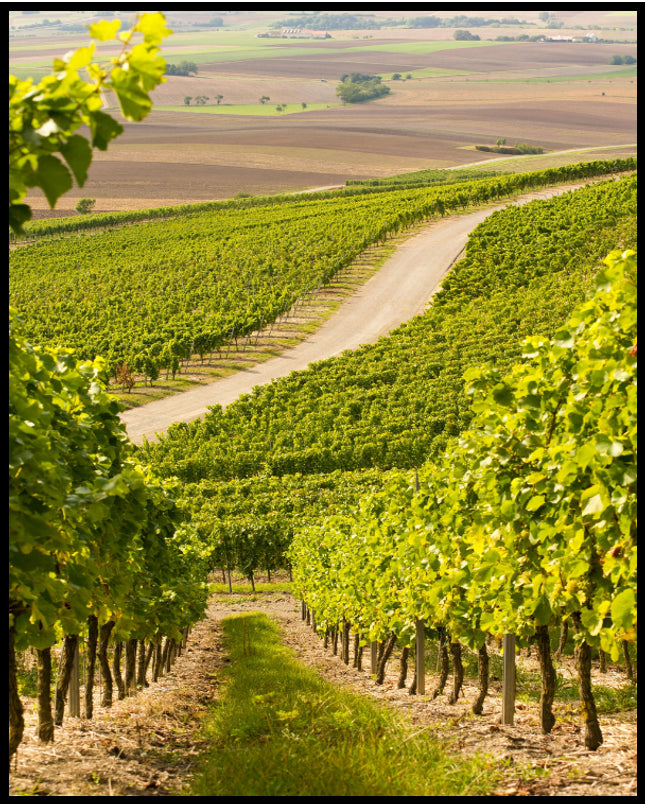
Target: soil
[[184, 156], [147, 746]]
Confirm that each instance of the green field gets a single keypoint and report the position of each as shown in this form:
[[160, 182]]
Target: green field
[[628, 72]]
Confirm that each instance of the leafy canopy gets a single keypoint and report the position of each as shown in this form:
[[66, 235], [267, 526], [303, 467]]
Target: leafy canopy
[[45, 148]]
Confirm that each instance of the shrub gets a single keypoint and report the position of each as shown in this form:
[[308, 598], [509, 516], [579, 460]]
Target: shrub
[[85, 205]]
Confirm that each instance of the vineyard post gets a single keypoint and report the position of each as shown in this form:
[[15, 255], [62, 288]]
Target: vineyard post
[[508, 681], [374, 649], [419, 661], [74, 687]]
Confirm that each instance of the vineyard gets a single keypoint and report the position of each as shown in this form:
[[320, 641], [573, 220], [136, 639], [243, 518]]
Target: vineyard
[[154, 294], [528, 517], [393, 403], [403, 501]]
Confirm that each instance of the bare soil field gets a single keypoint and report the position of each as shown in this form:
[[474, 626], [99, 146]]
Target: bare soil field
[[432, 122], [484, 59]]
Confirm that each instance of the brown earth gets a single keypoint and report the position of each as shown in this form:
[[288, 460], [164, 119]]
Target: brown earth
[[174, 157], [147, 746], [530, 56]]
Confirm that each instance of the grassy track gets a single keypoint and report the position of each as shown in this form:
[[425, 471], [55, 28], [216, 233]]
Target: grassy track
[[280, 730]]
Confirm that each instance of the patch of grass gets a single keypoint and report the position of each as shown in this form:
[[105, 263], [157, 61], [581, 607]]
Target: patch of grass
[[280, 731], [629, 72], [245, 588], [538, 162]]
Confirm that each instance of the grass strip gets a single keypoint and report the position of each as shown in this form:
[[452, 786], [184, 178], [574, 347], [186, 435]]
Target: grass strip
[[247, 588], [280, 730]]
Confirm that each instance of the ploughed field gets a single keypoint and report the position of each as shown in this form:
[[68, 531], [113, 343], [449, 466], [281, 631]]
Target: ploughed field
[[556, 95]]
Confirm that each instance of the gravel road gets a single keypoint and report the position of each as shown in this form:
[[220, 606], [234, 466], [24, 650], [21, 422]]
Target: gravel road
[[401, 289]]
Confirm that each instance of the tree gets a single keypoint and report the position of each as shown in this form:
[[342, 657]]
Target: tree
[[466, 36], [181, 69], [357, 87], [264, 99], [219, 98], [188, 99], [45, 118], [85, 205]]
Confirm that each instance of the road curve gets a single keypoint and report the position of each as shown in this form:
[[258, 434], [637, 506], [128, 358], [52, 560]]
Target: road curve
[[397, 292]]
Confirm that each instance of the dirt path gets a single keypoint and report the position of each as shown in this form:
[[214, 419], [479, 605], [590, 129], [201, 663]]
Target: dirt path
[[147, 746], [401, 289]]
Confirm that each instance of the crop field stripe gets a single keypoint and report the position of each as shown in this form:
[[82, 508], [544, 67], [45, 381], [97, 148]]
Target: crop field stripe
[[248, 109], [630, 72], [424, 47]]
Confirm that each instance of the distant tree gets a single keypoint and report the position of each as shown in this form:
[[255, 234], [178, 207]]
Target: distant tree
[[85, 205], [188, 99], [219, 98], [303, 105], [616, 59], [409, 75], [463, 35], [396, 77], [264, 99], [181, 69], [424, 22], [501, 141], [358, 87], [629, 59]]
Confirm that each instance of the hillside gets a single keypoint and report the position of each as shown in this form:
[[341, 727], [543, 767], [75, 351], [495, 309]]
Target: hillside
[[390, 548]]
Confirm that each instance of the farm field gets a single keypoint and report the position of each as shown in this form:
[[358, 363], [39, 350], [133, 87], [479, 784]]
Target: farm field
[[558, 95], [400, 559]]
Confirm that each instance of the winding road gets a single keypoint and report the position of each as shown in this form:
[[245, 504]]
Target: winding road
[[401, 289]]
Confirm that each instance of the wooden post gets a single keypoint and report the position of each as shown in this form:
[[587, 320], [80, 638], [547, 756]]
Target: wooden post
[[74, 687], [374, 649], [420, 658], [304, 611], [508, 681]]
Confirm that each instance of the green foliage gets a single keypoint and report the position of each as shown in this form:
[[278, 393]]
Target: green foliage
[[44, 119], [626, 59], [91, 530], [181, 69], [85, 205], [466, 36], [529, 515], [357, 87], [394, 403], [345, 22]]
